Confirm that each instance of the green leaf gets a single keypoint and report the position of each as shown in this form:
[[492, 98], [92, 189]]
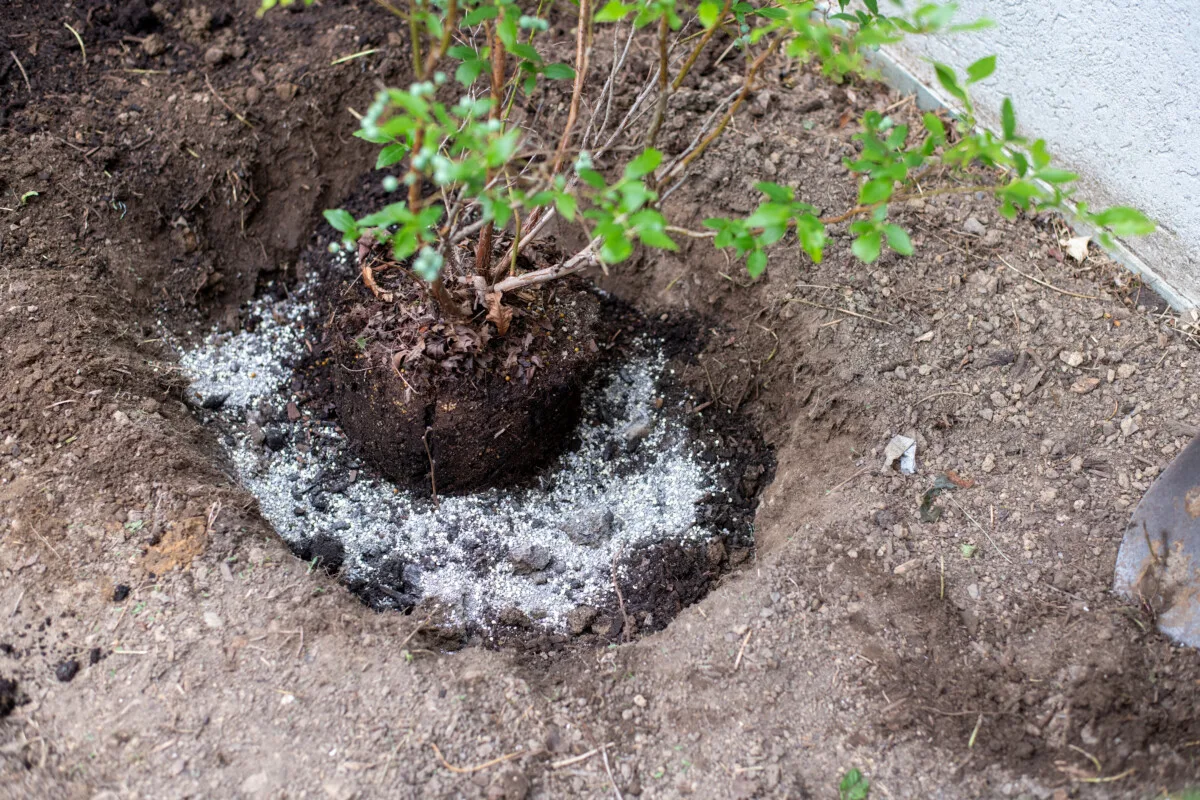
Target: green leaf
[[935, 126], [644, 164], [875, 191], [811, 234], [559, 72], [340, 219], [613, 11], [565, 204], [1054, 175], [949, 81], [616, 248], [592, 178], [780, 194], [390, 155], [1008, 120], [1125, 221], [981, 69], [708, 13], [866, 247], [1041, 158], [480, 14], [656, 238], [756, 263], [897, 239]]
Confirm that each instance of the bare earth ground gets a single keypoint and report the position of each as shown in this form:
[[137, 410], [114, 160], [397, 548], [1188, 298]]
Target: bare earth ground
[[858, 636]]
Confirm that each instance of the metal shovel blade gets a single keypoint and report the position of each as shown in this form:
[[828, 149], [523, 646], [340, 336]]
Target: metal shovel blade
[[1158, 564]]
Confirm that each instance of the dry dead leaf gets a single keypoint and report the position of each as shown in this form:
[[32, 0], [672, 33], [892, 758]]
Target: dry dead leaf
[[1077, 247], [498, 313]]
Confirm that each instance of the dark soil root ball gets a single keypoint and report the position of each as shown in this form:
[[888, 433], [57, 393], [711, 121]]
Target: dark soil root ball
[[486, 410]]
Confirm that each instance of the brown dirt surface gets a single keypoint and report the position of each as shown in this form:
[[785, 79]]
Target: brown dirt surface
[[184, 166]]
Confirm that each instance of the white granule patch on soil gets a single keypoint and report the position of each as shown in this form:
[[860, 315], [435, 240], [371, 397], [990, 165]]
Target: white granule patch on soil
[[633, 480]]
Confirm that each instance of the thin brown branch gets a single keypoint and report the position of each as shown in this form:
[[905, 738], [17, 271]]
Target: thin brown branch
[[699, 48], [664, 86], [751, 73], [581, 59], [449, 25]]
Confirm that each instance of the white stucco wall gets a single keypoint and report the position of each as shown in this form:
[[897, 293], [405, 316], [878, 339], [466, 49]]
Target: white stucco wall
[[1114, 88]]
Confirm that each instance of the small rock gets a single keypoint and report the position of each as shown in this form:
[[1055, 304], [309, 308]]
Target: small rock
[[989, 463], [974, 227], [286, 91], [253, 95], [999, 400], [256, 434], [636, 431], [579, 619], [509, 785], [121, 418], [214, 56], [527, 558], [715, 552], [1126, 370], [154, 45], [1072, 358], [1085, 385], [275, 439], [214, 401], [120, 593], [973, 591], [1129, 427], [907, 566], [67, 670], [213, 620], [639, 701]]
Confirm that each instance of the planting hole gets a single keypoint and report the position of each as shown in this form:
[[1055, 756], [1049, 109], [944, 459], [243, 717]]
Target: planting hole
[[646, 488]]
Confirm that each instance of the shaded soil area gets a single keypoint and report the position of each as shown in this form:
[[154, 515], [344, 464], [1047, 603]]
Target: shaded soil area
[[183, 166]]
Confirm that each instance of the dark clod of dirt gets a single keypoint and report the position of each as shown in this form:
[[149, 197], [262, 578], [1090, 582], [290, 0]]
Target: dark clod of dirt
[[120, 593], [67, 670], [327, 551], [95, 655], [8, 697]]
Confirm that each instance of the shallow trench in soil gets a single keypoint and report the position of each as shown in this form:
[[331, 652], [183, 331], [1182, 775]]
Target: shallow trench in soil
[[648, 504]]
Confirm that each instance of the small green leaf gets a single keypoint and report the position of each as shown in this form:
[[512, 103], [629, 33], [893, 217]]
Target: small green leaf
[[392, 154], [613, 11], [756, 263], [480, 14], [616, 248], [866, 247], [981, 69], [644, 164], [708, 13], [875, 191], [1125, 221], [559, 72], [565, 204], [592, 178], [1008, 119], [656, 238], [949, 81], [340, 219], [897, 239], [780, 194], [25, 198], [935, 126], [1054, 175]]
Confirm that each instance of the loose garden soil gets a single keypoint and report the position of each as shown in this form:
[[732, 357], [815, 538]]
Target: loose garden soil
[[180, 169]]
